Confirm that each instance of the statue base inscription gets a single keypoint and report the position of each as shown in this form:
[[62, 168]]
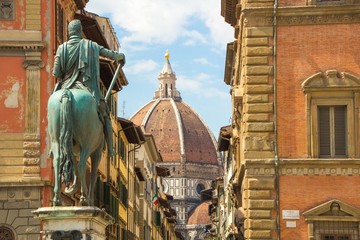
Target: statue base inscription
[[75, 223]]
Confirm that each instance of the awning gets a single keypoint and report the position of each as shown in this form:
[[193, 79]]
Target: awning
[[171, 220], [92, 29], [173, 212], [224, 138], [163, 202], [139, 174], [107, 72], [162, 171], [133, 133], [167, 213], [169, 197], [80, 4]]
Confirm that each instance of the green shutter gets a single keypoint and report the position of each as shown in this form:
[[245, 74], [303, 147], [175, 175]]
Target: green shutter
[[158, 219]]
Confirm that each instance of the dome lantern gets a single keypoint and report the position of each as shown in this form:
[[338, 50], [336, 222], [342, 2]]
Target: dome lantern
[[167, 79]]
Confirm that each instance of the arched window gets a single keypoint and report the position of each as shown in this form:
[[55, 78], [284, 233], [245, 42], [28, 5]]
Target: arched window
[[332, 109], [199, 188]]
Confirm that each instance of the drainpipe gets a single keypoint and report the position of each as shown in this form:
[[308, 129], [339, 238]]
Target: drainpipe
[[277, 197], [137, 146]]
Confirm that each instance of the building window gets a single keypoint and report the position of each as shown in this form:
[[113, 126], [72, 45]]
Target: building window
[[332, 127], [336, 230], [332, 131], [332, 115], [333, 220]]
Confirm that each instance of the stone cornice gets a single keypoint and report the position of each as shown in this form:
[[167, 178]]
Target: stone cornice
[[17, 45], [304, 167], [304, 15]]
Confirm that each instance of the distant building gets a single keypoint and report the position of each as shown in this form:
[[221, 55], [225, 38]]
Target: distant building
[[293, 148], [186, 145]]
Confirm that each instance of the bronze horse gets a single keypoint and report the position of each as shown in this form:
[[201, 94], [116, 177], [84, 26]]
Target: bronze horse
[[75, 128]]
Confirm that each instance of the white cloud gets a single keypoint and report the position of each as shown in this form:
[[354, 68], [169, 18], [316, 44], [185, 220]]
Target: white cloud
[[201, 85], [205, 61], [194, 38], [142, 66], [164, 21]]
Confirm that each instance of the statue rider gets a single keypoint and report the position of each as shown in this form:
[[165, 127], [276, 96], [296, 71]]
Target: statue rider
[[77, 66]]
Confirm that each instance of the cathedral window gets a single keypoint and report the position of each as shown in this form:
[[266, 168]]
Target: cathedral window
[[332, 110], [199, 188]]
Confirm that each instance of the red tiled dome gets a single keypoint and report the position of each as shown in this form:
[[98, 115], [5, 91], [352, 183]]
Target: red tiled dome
[[200, 214], [179, 132]]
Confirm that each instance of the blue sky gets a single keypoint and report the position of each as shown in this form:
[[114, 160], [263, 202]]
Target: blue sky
[[196, 36]]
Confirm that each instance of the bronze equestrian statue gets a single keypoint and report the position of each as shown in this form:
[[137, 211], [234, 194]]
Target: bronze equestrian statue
[[78, 118]]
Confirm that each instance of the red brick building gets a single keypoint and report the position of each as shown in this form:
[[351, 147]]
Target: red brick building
[[294, 72], [31, 31]]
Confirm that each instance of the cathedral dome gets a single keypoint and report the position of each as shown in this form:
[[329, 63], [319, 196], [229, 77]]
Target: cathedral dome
[[199, 215], [179, 132]]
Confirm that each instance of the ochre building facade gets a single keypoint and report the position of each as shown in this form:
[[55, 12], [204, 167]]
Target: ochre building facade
[[294, 74]]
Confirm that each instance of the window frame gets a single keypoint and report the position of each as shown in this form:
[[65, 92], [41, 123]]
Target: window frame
[[322, 213], [350, 134], [332, 88]]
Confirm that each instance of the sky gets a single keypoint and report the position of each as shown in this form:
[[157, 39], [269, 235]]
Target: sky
[[194, 33]]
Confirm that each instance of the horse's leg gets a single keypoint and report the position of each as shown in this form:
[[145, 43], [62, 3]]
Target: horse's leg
[[84, 155], [73, 188], [95, 161], [56, 165]]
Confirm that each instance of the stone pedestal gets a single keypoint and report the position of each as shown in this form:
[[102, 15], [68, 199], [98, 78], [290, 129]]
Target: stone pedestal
[[74, 223]]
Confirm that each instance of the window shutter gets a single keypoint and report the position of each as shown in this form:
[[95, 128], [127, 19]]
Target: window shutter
[[340, 130], [324, 131], [158, 219]]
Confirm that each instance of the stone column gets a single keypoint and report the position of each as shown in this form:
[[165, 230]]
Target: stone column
[[73, 222], [31, 145]]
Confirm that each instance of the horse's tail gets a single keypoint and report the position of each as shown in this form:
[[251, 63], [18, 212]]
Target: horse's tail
[[66, 138]]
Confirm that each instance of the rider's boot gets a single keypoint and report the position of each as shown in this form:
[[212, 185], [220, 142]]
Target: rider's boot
[[109, 137]]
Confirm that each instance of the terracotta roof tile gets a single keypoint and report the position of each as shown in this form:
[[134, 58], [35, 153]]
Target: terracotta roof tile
[[162, 123], [200, 214]]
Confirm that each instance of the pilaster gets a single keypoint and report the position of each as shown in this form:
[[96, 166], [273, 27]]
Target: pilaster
[[257, 82], [258, 200], [31, 146], [257, 127]]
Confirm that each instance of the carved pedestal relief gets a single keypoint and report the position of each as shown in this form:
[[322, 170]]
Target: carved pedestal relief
[[7, 11]]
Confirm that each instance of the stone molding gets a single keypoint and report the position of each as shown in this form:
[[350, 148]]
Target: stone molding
[[304, 167], [309, 15], [331, 80]]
